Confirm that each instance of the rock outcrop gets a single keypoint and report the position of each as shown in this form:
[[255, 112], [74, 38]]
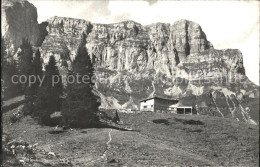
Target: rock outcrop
[[63, 36], [19, 20], [127, 45]]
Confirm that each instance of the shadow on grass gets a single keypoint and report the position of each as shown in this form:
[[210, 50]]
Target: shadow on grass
[[161, 121], [183, 121], [56, 131], [105, 121], [189, 122], [98, 126], [116, 127], [196, 130]]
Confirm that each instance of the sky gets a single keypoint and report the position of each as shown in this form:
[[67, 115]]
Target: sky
[[227, 24]]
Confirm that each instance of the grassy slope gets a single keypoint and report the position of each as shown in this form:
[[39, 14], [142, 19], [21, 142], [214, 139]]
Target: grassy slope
[[223, 141], [216, 141]]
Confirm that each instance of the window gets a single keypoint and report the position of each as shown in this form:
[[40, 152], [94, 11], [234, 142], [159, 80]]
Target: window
[[187, 110], [145, 106]]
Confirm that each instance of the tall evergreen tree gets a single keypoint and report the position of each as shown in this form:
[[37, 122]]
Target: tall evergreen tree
[[37, 69], [25, 60], [81, 105], [48, 100], [37, 64], [9, 89], [37, 72], [25, 67]]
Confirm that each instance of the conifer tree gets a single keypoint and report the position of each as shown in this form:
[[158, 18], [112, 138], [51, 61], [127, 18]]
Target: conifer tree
[[37, 73], [48, 100], [9, 89], [25, 67], [81, 104], [37, 70], [37, 65], [25, 60]]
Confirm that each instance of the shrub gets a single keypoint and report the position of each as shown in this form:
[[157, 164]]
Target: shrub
[[15, 117]]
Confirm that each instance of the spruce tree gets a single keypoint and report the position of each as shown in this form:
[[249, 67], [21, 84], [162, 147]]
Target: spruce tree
[[25, 60], [81, 104], [9, 89], [48, 97], [25, 67], [37, 72], [37, 65]]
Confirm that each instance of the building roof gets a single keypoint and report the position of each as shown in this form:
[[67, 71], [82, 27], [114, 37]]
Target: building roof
[[156, 97]]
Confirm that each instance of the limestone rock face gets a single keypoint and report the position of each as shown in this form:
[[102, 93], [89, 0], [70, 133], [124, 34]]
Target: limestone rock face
[[187, 37], [119, 46], [63, 36], [212, 64], [127, 45], [19, 20], [131, 46]]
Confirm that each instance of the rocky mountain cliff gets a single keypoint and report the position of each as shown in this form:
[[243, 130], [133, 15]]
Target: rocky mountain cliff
[[133, 61], [19, 20]]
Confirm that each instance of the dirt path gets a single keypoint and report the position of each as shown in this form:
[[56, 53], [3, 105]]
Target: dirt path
[[103, 157], [108, 146]]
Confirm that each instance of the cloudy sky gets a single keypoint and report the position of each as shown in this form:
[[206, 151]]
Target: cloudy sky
[[227, 24]]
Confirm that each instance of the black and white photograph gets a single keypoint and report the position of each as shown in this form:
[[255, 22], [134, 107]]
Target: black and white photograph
[[125, 83]]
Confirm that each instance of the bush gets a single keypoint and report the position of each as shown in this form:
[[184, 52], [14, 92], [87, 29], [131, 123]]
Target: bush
[[28, 108], [15, 117], [8, 158], [116, 118], [44, 118], [16, 148]]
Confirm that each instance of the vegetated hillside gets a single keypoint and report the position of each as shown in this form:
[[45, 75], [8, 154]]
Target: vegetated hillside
[[158, 139], [167, 60]]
